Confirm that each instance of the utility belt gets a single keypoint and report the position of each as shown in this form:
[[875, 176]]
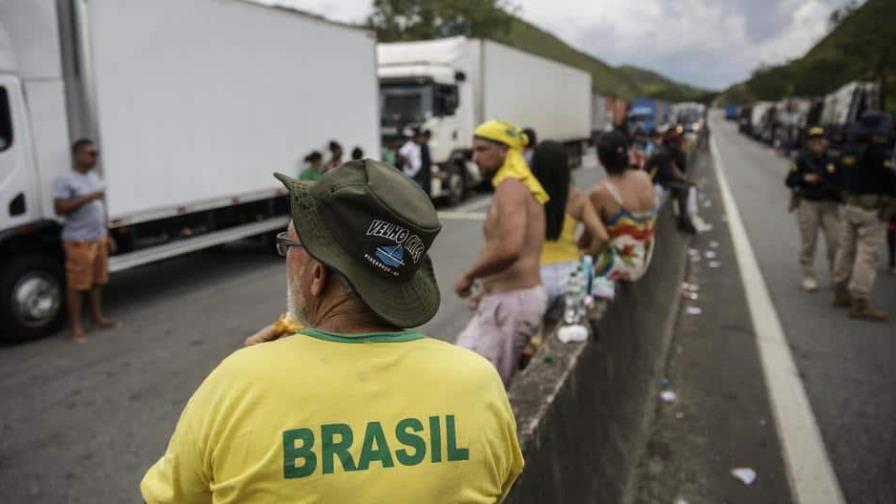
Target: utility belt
[[867, 201]]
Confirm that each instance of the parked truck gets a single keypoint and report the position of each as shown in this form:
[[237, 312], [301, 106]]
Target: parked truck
[[845, 106], [601, 117], [732, 111], [193, 106], [449, 86], [647, 114]]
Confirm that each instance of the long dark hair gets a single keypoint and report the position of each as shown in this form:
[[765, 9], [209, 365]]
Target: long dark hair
[[551, 168]]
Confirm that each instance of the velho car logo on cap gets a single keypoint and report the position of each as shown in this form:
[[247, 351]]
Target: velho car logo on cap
[[390, 257]]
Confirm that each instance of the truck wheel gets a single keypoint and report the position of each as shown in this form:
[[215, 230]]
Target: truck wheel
[[457, 185], [31, 294]]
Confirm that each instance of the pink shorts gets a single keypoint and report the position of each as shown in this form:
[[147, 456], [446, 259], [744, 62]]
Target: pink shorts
[[502, 326]]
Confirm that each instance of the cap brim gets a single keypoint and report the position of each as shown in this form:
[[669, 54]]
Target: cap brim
[[405, 304]]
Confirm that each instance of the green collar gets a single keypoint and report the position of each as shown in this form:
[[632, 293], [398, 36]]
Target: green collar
[[390, 337]]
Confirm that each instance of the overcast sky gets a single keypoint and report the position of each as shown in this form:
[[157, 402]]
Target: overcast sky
[[709, 43]]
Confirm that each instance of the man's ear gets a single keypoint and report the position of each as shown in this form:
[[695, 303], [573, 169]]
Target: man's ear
[[319, 276]]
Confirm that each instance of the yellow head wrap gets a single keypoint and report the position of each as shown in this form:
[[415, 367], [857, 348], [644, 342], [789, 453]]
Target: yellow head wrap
[[514, 166]]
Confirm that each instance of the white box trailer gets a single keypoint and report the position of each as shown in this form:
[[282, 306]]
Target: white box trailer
[[448, 86], [844, 106], [193, 105]]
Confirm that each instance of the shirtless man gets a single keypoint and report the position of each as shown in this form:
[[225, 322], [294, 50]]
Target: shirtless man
[[512, 301]]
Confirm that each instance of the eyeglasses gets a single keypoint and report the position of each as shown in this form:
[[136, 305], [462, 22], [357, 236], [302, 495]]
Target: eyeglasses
[[284, 242], [92, 153]]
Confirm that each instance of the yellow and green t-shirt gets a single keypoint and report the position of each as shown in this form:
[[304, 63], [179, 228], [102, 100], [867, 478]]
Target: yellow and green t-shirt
[[326, 417]]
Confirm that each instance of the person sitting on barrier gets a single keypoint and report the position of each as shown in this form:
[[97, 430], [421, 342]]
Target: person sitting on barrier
[[512, 301], [626, 205], [667, 168], [567, 208], [356, 407]]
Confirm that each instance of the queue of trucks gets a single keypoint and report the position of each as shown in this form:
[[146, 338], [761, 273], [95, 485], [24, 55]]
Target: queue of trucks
[[782, 124], [190, 131]]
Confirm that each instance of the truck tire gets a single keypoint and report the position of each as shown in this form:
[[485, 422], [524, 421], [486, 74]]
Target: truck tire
[[457, 185], [31, 298]]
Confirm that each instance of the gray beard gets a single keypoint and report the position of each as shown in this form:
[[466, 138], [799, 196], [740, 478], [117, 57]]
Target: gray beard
[[295, 303]]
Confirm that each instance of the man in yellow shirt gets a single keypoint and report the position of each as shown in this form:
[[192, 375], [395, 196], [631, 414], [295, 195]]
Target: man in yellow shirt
[[356, 407]]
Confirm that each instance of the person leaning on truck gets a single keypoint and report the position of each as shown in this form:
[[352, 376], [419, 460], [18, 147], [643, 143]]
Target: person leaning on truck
[[814, 180], [78, 197], [356, 407]]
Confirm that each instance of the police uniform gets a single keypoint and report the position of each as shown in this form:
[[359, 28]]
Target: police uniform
[[868, 183], [819, 206]]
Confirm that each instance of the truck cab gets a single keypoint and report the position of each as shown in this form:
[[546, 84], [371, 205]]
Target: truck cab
[[33, 149], [428, 97]]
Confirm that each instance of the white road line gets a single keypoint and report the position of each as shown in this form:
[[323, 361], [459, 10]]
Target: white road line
[[809, 472], [456, 215]]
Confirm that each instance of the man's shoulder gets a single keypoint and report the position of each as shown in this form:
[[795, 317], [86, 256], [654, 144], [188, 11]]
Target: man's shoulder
[[64, 177], [511, 187], [454, 361]]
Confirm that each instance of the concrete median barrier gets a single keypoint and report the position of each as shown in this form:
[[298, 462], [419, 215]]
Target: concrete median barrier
[[583, 409]]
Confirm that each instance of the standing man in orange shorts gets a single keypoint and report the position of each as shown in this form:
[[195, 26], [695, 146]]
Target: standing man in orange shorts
[[78, 196]]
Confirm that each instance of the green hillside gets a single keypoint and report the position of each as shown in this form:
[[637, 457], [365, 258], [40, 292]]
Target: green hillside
[[859, 48], [623, 81]]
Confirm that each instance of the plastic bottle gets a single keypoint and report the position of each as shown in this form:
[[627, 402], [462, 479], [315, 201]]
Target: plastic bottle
[[588, 271], [573, 298]]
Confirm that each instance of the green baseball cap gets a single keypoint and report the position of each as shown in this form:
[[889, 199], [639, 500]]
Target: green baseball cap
[[371, 223]]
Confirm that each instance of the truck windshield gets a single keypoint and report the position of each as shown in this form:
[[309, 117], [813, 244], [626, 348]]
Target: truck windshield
[[401, 105]]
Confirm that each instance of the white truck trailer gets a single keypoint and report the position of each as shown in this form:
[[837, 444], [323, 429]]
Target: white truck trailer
[[193, 105], [844, 106], [448, 86]]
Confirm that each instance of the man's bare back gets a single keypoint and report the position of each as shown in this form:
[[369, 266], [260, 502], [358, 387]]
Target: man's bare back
[[524, 220]]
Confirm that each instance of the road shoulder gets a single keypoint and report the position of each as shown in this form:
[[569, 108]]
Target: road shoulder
[[720, 418]]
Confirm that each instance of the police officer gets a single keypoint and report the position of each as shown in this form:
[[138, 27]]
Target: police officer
[[869, 186], [813, 178]]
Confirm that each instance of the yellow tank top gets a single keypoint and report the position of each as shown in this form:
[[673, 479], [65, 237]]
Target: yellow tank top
[[564, 248]]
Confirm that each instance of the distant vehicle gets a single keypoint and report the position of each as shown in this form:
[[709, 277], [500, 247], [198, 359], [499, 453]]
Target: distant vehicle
[[732, 112], [689, 115], [601, 118], [844, 106], [791, 120], [448, 86], [647, 114], [745, 120], [193, 105], [762, 120], [617, 111]]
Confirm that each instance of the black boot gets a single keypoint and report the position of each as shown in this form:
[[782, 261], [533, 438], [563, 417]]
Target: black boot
[[686, 226]]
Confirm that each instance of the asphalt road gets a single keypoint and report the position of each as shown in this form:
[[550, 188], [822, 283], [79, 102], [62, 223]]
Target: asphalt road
[[721, 418], [82, 423], [848, 366]]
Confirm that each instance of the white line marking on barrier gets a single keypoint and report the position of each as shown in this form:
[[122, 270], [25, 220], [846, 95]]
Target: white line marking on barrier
[[455, 215], [809, 472]]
